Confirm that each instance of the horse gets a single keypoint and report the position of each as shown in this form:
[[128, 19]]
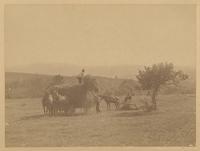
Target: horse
[[48, 103], [45, 103], [60, 102], [109, 100]]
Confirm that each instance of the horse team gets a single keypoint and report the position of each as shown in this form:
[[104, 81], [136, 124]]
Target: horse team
[[54, 103]]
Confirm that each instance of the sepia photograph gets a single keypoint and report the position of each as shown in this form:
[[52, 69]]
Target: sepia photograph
[[100, 75]]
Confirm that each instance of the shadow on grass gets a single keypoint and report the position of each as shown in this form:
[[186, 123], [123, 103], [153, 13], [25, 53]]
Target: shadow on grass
[[32, 117], [41, 116], [135, 113]]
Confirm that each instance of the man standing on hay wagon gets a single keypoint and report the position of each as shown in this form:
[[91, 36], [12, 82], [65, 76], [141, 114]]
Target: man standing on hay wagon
[[80, 76]]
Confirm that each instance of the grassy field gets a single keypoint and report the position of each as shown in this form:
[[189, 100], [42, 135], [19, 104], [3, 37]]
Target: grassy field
[[173, 124]]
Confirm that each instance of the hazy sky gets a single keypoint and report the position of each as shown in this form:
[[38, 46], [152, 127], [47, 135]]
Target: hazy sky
[[100, 34]]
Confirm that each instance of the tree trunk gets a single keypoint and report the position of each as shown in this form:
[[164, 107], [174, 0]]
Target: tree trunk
[[154, 103]]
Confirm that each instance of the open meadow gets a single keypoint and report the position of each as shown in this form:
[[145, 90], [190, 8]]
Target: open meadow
[[173, 124]]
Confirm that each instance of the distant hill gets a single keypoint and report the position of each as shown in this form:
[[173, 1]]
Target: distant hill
[[121, 71], [34, 85], [19, 85]]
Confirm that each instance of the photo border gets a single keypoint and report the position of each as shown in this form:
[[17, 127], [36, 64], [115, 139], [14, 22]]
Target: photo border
[[106, 2]]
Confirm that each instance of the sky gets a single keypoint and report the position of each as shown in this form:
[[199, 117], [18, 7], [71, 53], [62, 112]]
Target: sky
[[100, 34]]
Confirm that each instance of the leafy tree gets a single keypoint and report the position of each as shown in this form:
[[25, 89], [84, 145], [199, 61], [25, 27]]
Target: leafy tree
[[152, 78]]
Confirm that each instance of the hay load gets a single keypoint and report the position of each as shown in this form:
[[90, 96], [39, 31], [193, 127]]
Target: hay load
[[80, 95]]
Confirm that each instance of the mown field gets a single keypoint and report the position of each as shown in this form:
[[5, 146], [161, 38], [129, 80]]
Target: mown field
[[173, 124]]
